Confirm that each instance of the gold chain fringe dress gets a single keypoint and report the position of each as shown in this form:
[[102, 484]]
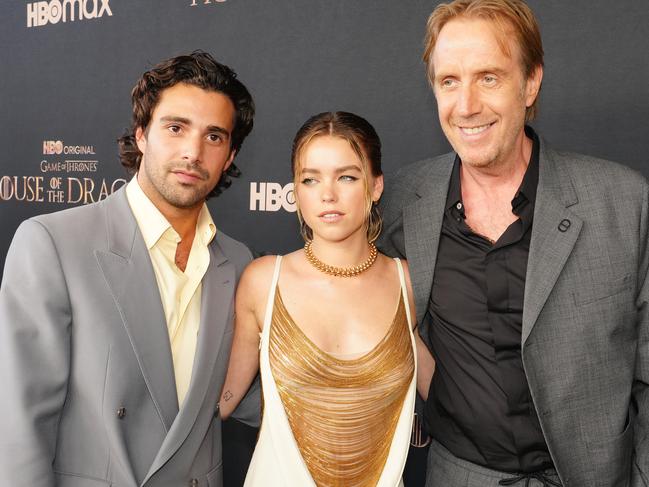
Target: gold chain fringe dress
[[330, 422]]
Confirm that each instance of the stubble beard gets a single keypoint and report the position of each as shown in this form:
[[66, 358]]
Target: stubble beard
[[497, 154], [179, 195]]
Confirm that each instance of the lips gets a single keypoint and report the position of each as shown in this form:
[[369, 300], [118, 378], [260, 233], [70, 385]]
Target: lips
[[188, 176], [331, 216], [476, 129]]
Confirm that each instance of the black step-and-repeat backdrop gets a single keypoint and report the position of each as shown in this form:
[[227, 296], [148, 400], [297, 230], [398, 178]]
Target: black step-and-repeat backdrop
[[68, 67]]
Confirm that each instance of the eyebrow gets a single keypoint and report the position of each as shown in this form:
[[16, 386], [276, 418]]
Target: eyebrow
[[497, 71], [172, 118], [186, 121], [350, 167], [489, 69]]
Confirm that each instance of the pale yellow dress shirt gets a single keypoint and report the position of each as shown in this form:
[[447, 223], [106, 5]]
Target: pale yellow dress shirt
[[180, 291]]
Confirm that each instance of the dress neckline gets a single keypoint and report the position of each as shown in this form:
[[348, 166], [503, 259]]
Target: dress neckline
[[341, 361]]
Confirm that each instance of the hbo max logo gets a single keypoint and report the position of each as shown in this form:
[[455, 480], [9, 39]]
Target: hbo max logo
[[55, 11], [271, 197]]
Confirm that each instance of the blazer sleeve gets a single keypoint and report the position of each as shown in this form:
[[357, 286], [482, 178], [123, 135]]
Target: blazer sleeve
[[35, 322], [391, 241], [640, 467]]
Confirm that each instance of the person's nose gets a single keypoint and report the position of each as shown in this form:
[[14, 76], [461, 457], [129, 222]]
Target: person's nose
[[191, 148], [328, 192], [469, 102]]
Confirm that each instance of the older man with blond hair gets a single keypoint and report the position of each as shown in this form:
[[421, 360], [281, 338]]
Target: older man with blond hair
[[529, 269]]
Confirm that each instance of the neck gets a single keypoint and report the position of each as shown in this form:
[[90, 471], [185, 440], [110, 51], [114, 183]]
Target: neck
[[344, 253], [184, 223], [183, 220]]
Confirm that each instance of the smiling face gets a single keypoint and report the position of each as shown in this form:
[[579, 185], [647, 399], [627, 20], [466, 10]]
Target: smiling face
[[186, 147], [332, 189], [481, 93]]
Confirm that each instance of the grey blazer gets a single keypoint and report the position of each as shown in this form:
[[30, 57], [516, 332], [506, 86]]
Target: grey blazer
[[88, 395], [585, 330]]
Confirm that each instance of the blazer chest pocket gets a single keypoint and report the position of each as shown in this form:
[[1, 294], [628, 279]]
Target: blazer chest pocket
[[597, 286]]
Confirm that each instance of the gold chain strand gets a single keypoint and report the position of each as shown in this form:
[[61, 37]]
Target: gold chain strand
[[351, 271]]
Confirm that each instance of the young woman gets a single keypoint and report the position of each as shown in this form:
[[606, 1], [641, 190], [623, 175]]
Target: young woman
[[331, 326]]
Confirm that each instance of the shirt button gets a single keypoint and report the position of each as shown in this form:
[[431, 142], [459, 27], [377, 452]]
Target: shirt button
[[193, 483], [459, 205], [121, 412]]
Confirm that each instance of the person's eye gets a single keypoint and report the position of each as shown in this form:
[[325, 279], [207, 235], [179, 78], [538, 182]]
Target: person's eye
[[175, 129], [215, 137], [490, 80], [348, 178], [308, 181], [448, 83]]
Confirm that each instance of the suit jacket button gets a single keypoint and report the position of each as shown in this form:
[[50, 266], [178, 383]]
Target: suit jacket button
[[193, 483], [121, 412], [564, 225]]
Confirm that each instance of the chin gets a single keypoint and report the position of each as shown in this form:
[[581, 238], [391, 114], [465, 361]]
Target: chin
[[477, 163], [473, 161], [476, 157], [332, 236]]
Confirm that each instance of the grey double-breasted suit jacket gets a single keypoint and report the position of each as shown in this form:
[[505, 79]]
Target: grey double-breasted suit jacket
[[88, 396], [585, 330]]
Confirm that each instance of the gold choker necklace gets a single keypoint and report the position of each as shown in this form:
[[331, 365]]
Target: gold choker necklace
[[340, 271]]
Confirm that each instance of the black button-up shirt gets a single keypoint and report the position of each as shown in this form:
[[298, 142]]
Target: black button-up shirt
[[479, 406]]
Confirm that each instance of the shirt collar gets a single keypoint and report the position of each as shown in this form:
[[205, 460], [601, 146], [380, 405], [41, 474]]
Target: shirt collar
[[153, 224], [205, 228], [527, 189]]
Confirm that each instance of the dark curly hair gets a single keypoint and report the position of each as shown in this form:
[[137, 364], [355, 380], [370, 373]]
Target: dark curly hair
[[199, 69]]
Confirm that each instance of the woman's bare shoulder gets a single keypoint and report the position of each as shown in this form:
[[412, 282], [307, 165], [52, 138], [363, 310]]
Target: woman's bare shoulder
[[257, 276]]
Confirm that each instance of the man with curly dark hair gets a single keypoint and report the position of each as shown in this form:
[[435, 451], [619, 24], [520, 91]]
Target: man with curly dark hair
[[116, 318]]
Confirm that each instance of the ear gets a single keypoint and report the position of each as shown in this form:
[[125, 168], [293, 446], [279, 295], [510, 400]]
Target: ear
[[377, 190], [533, 85], [230, 159], [140, 139]]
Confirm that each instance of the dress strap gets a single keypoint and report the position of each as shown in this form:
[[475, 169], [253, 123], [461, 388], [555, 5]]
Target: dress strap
[[404, 291], [271, 294]]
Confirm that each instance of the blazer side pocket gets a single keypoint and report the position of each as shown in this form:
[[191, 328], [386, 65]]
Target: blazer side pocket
[[613, 456], [64, 479]]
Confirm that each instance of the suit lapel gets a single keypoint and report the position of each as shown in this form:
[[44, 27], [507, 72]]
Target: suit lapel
[[216, 302], [422, 224], [129, 274], [554, 234], [126, 266]]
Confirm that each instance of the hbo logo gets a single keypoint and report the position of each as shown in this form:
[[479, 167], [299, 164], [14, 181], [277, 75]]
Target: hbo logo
[[52, 147], [271, 197]]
